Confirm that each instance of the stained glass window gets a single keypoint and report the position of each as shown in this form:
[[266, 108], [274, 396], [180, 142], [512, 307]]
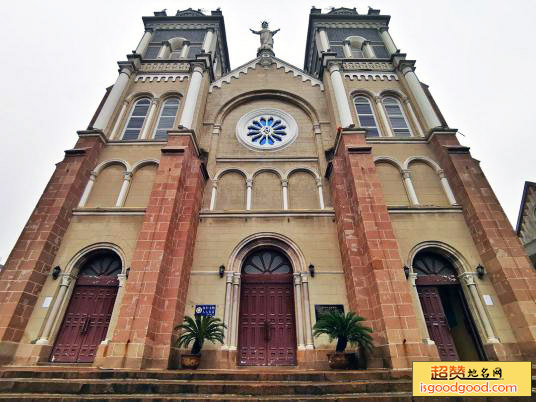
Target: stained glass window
[[267, 262], [267, 130], [105, 263]]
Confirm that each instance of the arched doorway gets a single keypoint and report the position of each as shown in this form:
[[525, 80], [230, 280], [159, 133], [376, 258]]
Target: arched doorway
[[89, 311], [266, 328], [446, 312]]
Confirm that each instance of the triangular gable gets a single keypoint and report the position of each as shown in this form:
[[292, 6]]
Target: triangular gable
[[252, 65]]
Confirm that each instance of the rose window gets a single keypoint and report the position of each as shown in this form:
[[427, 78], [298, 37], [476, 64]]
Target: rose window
[[267, 130]]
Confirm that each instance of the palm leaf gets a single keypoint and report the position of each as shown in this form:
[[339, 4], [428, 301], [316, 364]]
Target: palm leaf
[[198, 331], [346, 328]]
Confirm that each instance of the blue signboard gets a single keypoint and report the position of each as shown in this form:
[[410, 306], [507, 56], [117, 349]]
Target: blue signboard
[[205, 309]]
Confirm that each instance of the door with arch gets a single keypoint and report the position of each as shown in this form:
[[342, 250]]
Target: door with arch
[[88, 314], [266, 328], [446, 312]]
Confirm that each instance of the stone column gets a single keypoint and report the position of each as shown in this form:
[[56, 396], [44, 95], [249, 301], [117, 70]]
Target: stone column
[[446, 187], [383, 116], [165, 51], [117, 304], [249, 185], [87, 190], [115, 131], [284, 183], [149, 120], [124, 190], [324, 40], [345, 115], [368, 51], [347, 49], [234, 319], [185, 49], [299, 309], [208, 42], [227, 309], [192, 95], [406, 174], [320, 192], [388, 41], [214, 194], [468, 279], [418, 308], [307, 312], [144, 42], [413, 116], [113, 98], [414, 85], [65, 282]]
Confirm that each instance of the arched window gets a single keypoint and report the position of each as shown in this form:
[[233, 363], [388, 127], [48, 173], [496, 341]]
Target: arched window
[[267, 262], [166, 120], [365, 113], [397, 120], [136, 119]]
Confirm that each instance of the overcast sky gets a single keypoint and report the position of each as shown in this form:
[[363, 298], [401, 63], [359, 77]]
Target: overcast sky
[[59, 56]]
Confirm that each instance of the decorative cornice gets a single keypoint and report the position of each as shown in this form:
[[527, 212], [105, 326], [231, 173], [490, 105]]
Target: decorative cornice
[[160, 77], [368, 65], [269, 159], [120, 211], [368, 76], [182, 25], [396, 209], [348, 24], [158, 67], [266, 214]]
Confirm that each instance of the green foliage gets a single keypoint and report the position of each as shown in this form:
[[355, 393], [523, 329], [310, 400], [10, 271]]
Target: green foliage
[[345, 328], [198, 331]]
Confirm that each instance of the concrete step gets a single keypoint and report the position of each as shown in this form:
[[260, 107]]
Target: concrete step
[[156, 386]]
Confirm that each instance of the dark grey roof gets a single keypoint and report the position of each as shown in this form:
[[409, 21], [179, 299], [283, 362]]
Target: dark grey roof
[[528, 184]]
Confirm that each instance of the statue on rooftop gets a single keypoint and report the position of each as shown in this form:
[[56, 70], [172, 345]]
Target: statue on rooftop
[[266, 36]]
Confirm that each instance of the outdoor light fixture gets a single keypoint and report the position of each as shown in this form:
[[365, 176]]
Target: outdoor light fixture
[[221, 270], [406, 271], [480, 271], [56, 272], [127, 272], [312, 270]]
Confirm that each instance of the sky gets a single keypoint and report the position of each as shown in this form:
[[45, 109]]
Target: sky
[[59, 56]]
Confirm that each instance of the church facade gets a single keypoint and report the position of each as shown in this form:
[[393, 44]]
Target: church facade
[[266, 195]]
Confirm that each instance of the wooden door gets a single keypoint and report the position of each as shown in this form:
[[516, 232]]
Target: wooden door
[[437, 323], [267, 330], [86, 320]]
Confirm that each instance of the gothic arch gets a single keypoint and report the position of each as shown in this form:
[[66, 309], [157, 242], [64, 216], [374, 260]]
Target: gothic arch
[[434, 165], [221, 172], [457, 260], [302, 169], [132, 98], [389, 160], [101, 166], [267, 169], [138, 165]]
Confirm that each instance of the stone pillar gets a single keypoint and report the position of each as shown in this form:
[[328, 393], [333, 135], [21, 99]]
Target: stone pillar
[[323, 40], [192, 95], [368, 51], [124, 190], [209, 41], [320, 192], [30, 261], [501, 253], [234, 317], [299, 309], [115, 131], [374, 276], [345, 115], [165, 51], [122, 278], [426, 107], [446, 187], [413, 116], [284, 183], [113, 98], [144, 42], [383, 116], [155, 293], [307, 312], [249, 184], [388, 41], [406, 174], [185, 49], [65, 282], [347, 49], [149, 120], [214, 194], [418, 308], [87, 189], [227, 309], [468, 279]]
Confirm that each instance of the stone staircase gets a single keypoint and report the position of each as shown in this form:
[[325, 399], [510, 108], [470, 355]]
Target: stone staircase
[[67, 383]]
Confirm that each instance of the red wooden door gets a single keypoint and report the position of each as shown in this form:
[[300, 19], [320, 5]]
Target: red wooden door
[[267, 330], [436, 321], [86, 320]]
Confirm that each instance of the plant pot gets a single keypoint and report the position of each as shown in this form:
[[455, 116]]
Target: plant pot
[[190, 362], [339, 360]]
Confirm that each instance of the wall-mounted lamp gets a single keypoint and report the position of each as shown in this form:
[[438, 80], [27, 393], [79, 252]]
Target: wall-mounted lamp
[[56, 272], [312, 270], [221, 270], [406, 271], [480, 271], [127, 272]]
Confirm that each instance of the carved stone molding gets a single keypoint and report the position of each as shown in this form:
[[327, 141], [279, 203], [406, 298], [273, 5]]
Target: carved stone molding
[[164, 67], [368, 65], [160, 77], [370, 76]]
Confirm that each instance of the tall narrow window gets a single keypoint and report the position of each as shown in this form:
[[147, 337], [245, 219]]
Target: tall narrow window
[[166, 118], [366, 115], [136, 119], [396, 116], [357, 53]]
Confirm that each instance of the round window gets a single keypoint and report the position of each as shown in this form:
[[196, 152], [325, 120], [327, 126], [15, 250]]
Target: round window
[[266, 129]]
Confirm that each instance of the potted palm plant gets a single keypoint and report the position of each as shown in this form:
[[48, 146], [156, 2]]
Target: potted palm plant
[[198, 330], [346, 328]]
